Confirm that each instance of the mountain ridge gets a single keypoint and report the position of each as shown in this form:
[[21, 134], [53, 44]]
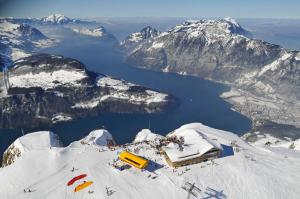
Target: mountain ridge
[[258, 72]]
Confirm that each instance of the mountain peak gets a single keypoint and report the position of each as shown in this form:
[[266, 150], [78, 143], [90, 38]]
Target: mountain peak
[[231, 20], [30, 32], [56, 19], [211, 28], [148, 32], [137, 37]]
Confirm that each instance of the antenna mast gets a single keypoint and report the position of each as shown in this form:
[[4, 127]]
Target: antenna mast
[[22, 131], [149, 125]]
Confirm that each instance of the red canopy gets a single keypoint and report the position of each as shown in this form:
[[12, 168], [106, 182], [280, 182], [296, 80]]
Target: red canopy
[[76, 178]]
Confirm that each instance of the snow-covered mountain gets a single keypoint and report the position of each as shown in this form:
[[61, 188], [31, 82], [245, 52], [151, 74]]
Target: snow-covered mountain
[[136, 38], [264, 77], [56, 19], [18, 40], [30, 33], [244, 171], [45, 89], [53, 19], [99, 32], [17, 34]]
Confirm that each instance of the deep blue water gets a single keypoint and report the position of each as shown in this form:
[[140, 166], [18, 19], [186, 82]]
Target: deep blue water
[[198, 99]]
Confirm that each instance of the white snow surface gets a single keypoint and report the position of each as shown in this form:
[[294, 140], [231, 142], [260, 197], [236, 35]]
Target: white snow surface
[[116, 84], [196, 144], [56, 19], [120, 88], [11, 36], [275, 65], [273, 142], [17, 53], [297, 144], [135, 37], [297, 57], [147, 135], [61, 117], [156, 45], [213, 30], [47, 80], [249, 173], [98, 137], [37, 141], [231, 20]]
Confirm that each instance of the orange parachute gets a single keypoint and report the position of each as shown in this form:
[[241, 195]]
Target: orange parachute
[[83, 186]]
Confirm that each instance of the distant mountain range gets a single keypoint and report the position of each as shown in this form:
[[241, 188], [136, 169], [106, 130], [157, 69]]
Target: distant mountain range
[[264, 77], [20, 37], [45, 89], [57, 19], [54, 19]]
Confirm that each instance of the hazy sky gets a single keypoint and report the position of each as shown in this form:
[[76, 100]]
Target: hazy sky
[[153, 8]]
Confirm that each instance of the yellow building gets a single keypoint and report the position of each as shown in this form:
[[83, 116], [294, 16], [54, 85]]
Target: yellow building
[[133, 160]]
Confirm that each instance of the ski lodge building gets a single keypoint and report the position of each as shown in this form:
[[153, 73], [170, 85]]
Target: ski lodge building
[[195, 148]]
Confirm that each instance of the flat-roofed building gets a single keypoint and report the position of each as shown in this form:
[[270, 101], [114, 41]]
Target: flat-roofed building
[[195, 147], [133, 160]]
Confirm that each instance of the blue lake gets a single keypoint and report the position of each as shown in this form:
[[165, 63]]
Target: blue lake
[[198, 99]]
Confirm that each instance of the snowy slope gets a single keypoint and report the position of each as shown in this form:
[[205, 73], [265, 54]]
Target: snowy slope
[[146, 33], [98, 137], [19, 40], [261, 140], [120, 90], [46, 81], [146, 135], [20, 35], [35, 141], [244, 172]]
